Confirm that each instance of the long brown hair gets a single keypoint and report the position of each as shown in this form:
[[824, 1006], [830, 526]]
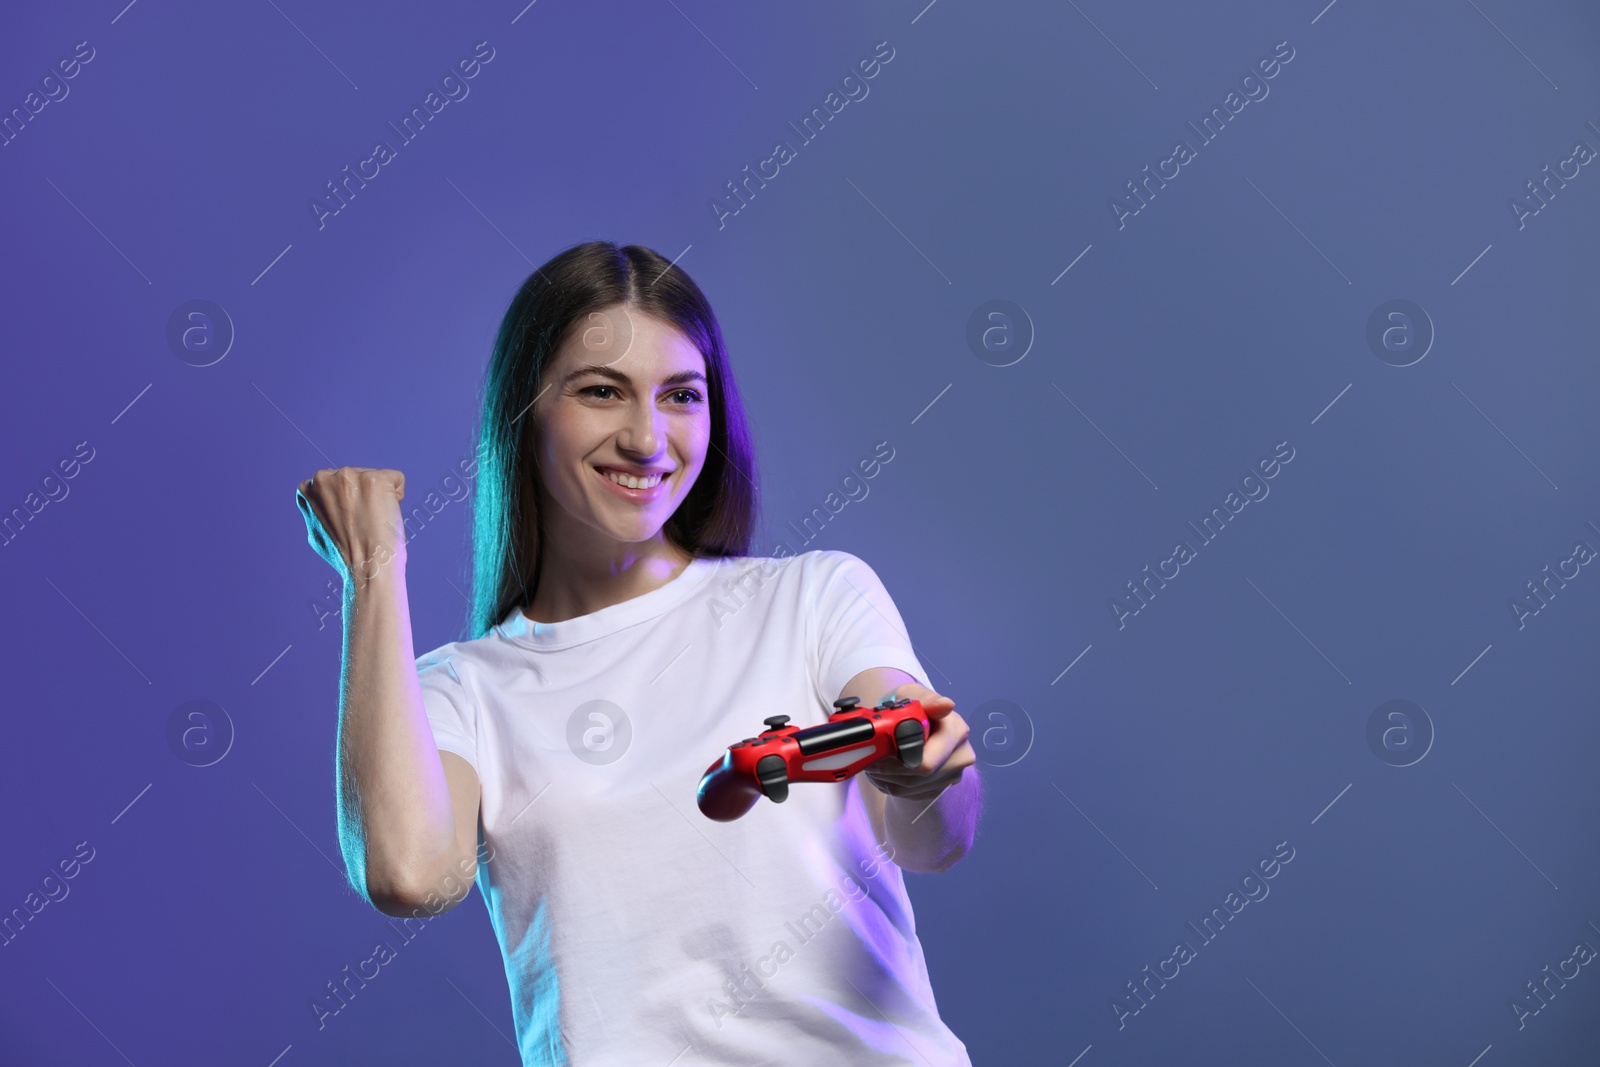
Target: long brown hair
[[718, 516]]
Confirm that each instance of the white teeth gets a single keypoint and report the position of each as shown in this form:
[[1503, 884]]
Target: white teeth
[[632, 482]]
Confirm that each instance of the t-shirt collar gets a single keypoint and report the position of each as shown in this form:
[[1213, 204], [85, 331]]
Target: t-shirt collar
[[519, 629]]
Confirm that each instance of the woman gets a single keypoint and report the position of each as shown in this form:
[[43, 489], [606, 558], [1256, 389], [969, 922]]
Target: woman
[[621, 639]]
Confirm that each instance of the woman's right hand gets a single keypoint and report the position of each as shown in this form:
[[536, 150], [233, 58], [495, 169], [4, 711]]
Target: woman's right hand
[[353, 519]]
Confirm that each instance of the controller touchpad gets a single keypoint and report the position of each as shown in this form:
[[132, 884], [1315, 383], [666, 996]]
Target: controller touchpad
[[842, 758]]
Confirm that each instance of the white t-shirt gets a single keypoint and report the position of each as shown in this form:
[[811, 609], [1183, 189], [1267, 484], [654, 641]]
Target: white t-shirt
[[634, 929]]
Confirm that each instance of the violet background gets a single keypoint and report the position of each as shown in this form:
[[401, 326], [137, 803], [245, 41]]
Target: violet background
[[1227, 316]]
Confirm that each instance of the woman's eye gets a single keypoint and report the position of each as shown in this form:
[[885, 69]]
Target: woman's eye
[[687, 396]]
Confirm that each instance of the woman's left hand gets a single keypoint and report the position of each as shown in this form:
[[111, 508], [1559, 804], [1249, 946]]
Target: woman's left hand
[[945, 754]]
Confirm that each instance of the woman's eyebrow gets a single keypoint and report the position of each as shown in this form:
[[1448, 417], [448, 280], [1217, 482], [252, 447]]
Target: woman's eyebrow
[[676, 378]]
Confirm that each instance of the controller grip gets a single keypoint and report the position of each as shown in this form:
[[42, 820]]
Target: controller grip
[[724, 795]]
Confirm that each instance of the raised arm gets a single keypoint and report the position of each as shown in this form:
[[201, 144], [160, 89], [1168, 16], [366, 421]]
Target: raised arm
[[407, 813]]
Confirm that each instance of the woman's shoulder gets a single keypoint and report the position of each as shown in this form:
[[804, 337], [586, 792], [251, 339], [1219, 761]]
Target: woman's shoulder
[[453, 657], [811, 560], [817, 566], [444, 657]]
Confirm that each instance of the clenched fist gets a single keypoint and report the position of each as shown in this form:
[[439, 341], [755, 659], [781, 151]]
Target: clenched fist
[[353, 519]]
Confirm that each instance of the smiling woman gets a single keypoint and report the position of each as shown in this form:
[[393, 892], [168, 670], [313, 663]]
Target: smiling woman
[[607, 359], [567, 735]]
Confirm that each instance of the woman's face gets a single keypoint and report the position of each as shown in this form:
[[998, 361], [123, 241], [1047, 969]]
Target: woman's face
[[625, 394]]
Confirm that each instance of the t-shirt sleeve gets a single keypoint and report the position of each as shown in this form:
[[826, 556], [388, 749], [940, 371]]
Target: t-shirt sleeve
[[857, 626], [452, 713]]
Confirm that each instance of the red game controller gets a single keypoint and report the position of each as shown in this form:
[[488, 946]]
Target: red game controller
[[852, 739]]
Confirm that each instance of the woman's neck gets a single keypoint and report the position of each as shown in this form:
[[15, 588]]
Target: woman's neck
[[576, 584]]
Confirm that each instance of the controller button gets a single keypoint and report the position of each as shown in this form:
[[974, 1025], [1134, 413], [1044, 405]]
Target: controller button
[[775, 722], [847, 703]]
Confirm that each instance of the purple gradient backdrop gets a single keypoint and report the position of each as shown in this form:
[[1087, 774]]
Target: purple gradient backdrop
[[1228, 315]]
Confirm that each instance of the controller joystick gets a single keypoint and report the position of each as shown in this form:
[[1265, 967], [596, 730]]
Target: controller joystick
[[852, 739]]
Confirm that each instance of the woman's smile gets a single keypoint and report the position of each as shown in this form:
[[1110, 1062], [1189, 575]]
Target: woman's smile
[[644, 495]]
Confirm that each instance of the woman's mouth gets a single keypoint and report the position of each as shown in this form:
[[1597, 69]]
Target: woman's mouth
[[629, 487]]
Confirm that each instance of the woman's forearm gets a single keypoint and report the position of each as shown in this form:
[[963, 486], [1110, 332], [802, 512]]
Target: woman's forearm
[[929, 836], [395, 822]]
